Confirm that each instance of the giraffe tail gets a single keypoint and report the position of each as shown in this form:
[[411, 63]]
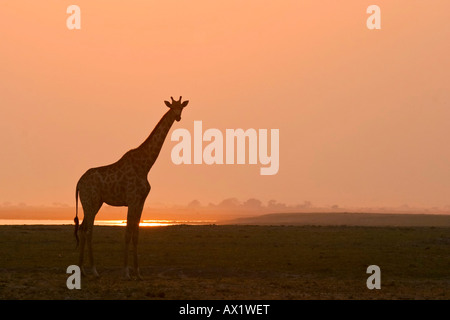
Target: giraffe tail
[[77, 223]]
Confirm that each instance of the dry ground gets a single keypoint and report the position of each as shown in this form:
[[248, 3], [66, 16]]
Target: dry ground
[[232, 262]]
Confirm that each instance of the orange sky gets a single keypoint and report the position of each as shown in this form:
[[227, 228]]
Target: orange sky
[[363, 114]]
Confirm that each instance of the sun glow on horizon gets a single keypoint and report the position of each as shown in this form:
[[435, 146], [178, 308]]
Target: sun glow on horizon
[[144, 223], [114, 223], [153, 223]]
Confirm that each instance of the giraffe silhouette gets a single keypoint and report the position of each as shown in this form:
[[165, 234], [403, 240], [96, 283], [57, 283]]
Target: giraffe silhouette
[[123, 183]]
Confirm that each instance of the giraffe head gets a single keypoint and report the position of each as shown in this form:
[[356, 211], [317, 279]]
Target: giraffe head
[[176, 107]]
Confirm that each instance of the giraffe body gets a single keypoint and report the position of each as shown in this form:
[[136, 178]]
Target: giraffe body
[[116, 184], [123, 183]]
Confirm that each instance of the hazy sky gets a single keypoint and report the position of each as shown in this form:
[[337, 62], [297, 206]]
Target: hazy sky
[[363, 115]]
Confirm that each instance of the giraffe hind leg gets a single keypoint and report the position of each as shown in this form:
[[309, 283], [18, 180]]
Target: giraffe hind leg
[[86, 229], [90, 251], [82, 235]]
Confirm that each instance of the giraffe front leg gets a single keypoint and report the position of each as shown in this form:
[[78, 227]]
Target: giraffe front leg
[[128, 232], [134, 238], [132, 234]]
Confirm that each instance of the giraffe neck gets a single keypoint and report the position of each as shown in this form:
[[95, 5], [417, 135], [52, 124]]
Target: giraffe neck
[[149, 150]]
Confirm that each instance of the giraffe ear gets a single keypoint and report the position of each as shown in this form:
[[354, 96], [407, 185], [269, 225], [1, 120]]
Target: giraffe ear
[[168, 104], [184, 104]]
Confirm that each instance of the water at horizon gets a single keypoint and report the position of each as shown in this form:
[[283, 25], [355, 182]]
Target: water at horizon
[[119, 223]]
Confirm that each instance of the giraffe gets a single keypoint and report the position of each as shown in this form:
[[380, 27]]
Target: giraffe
[[123, 183]]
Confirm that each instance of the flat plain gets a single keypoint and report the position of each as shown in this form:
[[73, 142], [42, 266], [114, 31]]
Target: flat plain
[[232, 262]]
